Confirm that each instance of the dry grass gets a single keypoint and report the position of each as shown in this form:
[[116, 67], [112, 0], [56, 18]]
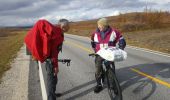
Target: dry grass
[[157, 39], [149, 29], [11, 39]]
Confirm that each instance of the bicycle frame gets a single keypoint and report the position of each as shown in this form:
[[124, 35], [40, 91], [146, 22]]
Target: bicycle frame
[[112, 82], [67, 61], [105, 64]]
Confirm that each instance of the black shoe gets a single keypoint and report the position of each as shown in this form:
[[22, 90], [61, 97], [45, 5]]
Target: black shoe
[[98, 88], [58, 94]]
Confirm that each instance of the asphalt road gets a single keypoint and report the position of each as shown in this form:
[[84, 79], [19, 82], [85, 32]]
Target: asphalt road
[[145, 75]]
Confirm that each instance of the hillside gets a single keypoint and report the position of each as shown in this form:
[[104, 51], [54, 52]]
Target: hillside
[[149, 29]]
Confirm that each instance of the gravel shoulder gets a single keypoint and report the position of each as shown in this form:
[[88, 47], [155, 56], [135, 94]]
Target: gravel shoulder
[[14, 84]]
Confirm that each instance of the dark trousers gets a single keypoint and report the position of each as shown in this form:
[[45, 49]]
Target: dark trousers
[[99, 69], [51, 80]]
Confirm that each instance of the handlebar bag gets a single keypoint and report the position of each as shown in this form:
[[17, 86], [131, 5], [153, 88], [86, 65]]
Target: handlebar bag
[[112, 54]]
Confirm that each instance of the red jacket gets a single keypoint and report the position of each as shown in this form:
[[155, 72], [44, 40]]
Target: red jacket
[[43, 41]]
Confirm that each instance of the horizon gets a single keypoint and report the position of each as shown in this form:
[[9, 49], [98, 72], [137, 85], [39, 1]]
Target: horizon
[[26, 13], [29, 26]]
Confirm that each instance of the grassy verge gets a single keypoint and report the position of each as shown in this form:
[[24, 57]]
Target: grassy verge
[[11, 41], [148, 29], [157, 39]]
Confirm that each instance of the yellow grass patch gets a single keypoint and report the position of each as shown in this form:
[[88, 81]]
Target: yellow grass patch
[[11, 41]]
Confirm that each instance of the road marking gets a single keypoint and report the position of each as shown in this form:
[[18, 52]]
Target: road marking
[[135, 70], [43, 89], [150, 51], [79, 46], [133, 47], [152, 78]]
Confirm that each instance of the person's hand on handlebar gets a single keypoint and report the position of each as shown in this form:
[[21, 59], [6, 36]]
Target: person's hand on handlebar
[[55, 71]]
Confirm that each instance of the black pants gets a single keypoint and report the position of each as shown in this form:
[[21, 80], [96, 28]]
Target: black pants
[[99, 70], [51, 80]]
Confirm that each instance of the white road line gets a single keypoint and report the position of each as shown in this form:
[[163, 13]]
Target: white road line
[[149, 51], [43, 89]]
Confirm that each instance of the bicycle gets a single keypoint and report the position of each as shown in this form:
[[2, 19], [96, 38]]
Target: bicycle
[[67, 61], [113, 86]]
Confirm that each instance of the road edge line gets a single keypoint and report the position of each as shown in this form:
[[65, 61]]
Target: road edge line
[[149, 51], [43, 89]]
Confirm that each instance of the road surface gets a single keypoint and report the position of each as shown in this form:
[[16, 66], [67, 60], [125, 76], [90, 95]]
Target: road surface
[[145, 75]]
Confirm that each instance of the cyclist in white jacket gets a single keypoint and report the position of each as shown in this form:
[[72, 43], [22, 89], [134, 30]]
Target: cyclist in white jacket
[[104, 36]]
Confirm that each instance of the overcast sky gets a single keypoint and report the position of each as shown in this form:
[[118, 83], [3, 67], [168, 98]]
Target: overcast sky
[[27, 12]]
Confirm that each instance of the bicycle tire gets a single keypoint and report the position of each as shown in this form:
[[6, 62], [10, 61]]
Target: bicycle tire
[[113, 85]]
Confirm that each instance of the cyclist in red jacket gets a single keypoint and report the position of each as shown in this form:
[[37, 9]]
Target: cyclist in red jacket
[[104, 36], [44, 41]]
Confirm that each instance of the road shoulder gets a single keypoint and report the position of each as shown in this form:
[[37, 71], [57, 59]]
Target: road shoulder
[[14, 84]]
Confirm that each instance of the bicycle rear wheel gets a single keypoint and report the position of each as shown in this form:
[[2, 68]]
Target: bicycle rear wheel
[[114, 89]]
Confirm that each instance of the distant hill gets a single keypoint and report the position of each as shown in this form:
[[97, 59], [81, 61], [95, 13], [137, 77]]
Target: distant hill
[[148, 29], [17, 26], [128, 22]]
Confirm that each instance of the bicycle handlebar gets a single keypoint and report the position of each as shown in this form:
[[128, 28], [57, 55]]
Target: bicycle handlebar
[[65, 61], [93, 54]]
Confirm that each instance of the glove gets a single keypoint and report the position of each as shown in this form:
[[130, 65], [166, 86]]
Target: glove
[[122, 43], [93, 44], [55, 71], [60, 47]]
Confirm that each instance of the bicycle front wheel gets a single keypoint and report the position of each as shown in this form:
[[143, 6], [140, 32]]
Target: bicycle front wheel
[[114, 89]]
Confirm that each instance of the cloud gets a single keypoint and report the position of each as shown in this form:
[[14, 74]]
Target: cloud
[[156, 1], [26, 12]]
